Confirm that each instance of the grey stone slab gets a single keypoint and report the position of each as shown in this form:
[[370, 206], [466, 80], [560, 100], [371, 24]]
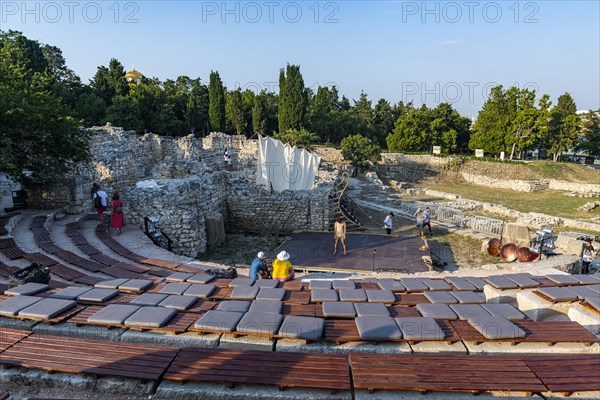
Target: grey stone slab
[[468, 311], [437, 284], [586, 279], [440, 297], [582, 291], [321, 295], [557, 294], [378, 328], [414, 284], [98, 295], [240, 306], [504, 310], [151, 317], [200, 278], [28, 289], [180, 303], [391, 284], [594, 302], [420, 328], [380, 296], [563, 279], [244, 292], [371, 310], [356, 295], [436, 311], [242, 282], [259, 323], [113, 314], [270, 294], [466, 297], [110, 283], [460, 283], [175, 288], [267, 283], [343, 284], [149, 299], [319, 284], [47, 308], [338, 309], [71, 292], [11, 306], [496, 328], [595, 288], [307, 328], [202, 291], [219, 321], [500, 282], [523, 280], [136, 285], [266, 306], [479, 283], [179, 277]]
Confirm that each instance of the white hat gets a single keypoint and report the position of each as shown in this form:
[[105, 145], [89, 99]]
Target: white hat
[[262, 255], [283, 256]]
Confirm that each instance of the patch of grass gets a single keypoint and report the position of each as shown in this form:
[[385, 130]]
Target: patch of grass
[[565, 171], [546, 202], [460, 251]]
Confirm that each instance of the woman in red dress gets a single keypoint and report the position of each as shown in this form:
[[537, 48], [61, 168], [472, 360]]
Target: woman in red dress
[[118, 218]]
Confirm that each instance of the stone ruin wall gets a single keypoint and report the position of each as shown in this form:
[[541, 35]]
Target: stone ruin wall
[[191, 184]]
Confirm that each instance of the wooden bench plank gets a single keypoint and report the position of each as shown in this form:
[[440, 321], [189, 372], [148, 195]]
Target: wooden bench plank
[[567, 373]]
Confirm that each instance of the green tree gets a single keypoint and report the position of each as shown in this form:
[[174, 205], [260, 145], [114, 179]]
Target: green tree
[[40, 140], [237, 114], [123, 112], [292, 99], [259, 113], [216, 96], [91, 108], [563, 126], [360, 151], [298, 138], [591, 133], [383, 122], [101, 85], [493, 122], [196, 108]]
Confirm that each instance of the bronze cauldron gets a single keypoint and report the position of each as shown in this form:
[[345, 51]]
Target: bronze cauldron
[[508, 252], [523, 254], [494, 247]]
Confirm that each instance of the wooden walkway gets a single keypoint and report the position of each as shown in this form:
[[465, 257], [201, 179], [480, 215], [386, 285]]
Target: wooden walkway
[[567, 373], [283, 370]]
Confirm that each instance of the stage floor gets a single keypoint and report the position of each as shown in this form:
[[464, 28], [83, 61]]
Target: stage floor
[[314, 251]]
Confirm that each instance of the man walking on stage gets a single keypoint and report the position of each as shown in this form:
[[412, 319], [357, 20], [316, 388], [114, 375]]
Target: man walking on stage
[[339, 233]]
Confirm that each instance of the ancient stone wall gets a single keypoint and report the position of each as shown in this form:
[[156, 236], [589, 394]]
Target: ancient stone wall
[[514, 184], [587, 188]]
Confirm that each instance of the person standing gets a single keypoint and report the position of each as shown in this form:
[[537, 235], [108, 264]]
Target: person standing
[[282, 267], [420, 218], [387, 223], [117, 215], [95, 188], [258, 266], [427, 220], [100, 204], [587, 255], [339, 234]]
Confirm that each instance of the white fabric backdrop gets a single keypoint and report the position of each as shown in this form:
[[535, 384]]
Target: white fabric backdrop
[[285, 167]]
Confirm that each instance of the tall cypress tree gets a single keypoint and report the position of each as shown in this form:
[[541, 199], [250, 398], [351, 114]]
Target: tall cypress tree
[[292, 99], [259, 116], [216, 99]]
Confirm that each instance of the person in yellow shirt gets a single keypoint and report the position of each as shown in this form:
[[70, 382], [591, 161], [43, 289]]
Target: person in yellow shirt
[[282, 267]]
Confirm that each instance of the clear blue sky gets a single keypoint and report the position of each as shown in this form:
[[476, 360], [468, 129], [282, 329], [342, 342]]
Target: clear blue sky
[[398, 50]]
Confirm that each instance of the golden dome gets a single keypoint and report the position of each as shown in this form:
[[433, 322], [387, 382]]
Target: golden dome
[[133, 75]]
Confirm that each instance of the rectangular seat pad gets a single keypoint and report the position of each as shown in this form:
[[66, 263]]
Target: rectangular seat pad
[[200, 278], [270, 294], [244, 292], [98, 295], [200, 290], [557, 293], [242, 282], [378, 328], [12, 305], [219, 321], [338, 309], [259, 323], [420, 328], [586, 279], [178, 277], [594, 302], [563, 279], [497, 328], [321, 295], [267, 283], [307, 328], [500, 282], [380, 296], [437, 284], [357, 295], [468, 311], [149, 299], [391, 284], [110, 283], [319, 284], [440, 297], [178, 302], [240, 306], [113, 314], [504, 310], [436, 311], [523, 280], [151, 317], [582, 291], [414, 284], [460, 283], [28, 289], [175, 288], [466, 297], [343, 284], [71, 292], [371, 310], [47, 308], [266, 306], [136, 285], [479, 283]]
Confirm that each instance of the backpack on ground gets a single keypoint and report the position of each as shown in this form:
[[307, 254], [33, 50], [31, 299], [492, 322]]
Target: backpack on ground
[[98, 201]]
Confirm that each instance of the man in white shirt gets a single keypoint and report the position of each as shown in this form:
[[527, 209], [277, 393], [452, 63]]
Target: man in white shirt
[[387, 223], [102, 204]]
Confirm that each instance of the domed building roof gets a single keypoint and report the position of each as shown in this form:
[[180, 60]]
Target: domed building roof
[[133, 75]]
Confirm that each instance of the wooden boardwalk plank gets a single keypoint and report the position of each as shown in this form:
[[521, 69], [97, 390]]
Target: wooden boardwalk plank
[[567, 373]]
